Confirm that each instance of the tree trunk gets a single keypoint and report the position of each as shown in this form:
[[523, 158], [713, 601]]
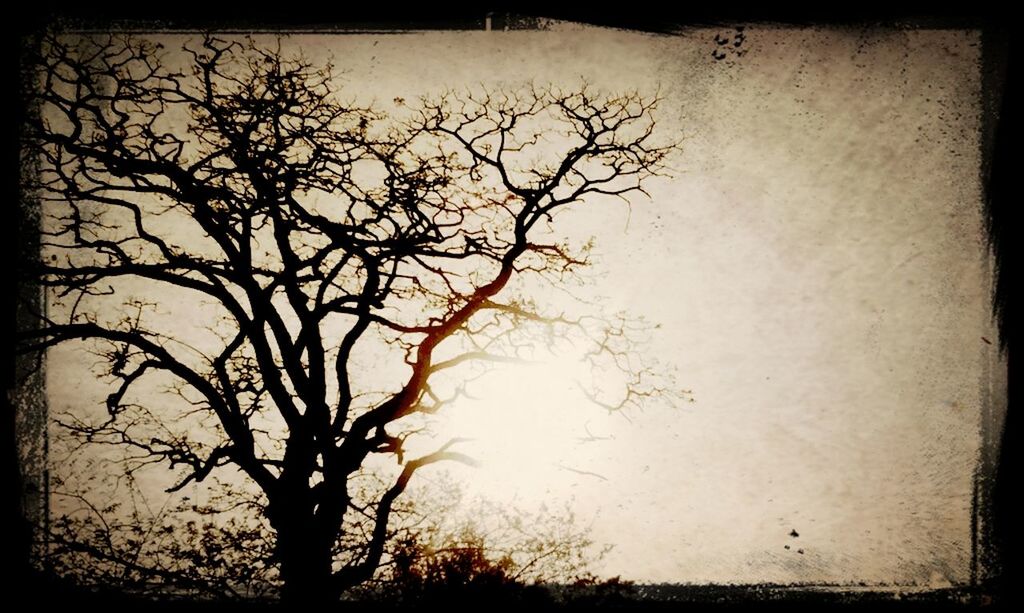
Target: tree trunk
[[305, 562], [303, 551]]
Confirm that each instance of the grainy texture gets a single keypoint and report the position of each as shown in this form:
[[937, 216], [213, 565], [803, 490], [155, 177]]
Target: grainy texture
[[819, 273]]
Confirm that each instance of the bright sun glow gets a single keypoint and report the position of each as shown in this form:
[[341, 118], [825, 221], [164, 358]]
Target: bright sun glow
[[526, 425]]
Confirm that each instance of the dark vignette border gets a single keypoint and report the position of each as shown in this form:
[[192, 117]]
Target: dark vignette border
[[995, 504]]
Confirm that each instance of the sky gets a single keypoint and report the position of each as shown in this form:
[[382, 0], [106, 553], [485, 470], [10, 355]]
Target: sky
[[816, 269]]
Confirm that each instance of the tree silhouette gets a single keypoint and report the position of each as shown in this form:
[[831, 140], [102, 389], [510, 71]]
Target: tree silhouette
[[305, 231]]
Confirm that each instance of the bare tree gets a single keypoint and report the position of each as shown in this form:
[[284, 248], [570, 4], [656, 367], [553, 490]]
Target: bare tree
[[304, 229]]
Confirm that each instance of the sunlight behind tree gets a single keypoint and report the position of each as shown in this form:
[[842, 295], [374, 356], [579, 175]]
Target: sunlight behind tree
[[340, 275]]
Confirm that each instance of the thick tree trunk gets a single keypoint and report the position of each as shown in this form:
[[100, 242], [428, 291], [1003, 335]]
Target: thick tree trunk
[[303, 552], [305, 567], [303, 547]]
